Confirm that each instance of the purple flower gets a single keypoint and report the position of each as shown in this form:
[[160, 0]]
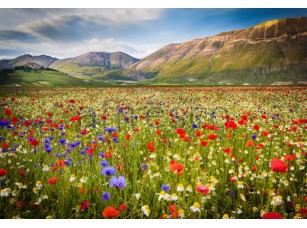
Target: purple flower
[[118, 182], [104, 163], [194, 126], [48, 149], [62, 141], [105, 196], [165, 187], [108, 171], [144, 166]]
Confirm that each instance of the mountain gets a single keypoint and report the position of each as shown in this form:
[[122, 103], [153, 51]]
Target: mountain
[[271, 52], [29, 60], [97, 64]]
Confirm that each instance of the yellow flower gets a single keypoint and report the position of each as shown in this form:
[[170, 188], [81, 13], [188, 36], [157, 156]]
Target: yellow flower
[[225, 216], [49, 217]]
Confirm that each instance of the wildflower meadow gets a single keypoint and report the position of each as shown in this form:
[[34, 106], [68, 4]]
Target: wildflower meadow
[[153, 152]]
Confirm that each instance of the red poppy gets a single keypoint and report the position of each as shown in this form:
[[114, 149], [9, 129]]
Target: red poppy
[[254, 168], [203, 143], [164, 140], [157, 122], [127, 136], [259, 146], [289, 157], [52, 180], [176, 167], [202, 189], [158, 132], [272, 215], [232, 179], [256, 127], [174, 212], [75, 118], [7, 112], [14, 119], [186, 138], [265, 133], [61, 163], [212, 136], [84, 205], [107, 154], [22, 172], [249, 143], [278, 165], [303, 212], [110, 212], [227, 150], [151, 147], [34, 142], [180, 131], [122, 207], [230, 124], [198, 133], [3, 172], [5, 145]]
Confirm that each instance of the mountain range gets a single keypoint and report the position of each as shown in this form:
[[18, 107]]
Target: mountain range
[[273, 52]]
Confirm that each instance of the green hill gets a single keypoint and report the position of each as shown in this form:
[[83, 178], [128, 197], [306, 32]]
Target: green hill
[[268, 53]]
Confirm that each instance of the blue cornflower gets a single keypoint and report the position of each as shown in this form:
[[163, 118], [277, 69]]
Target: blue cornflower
[[254, 136], [194, 126], [104, 163], [62, 140], [136, 117], [165, 187], [101, 155], [105, 196], [48, 149], [110, 129], [108, 171], [118, 182], [115, 139], [144, 166], [100, 138]]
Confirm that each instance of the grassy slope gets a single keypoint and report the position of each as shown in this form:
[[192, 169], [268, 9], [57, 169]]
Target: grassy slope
[[43, 78]]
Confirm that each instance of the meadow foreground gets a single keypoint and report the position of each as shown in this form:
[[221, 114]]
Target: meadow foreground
[[160, 152]]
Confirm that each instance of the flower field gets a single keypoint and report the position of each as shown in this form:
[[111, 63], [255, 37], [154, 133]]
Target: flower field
[[160, 152]]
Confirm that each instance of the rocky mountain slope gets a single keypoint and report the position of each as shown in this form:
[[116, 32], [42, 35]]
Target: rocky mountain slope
[[266, 53]]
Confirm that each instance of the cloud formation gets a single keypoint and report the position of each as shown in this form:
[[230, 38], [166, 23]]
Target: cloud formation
[[66, 33]]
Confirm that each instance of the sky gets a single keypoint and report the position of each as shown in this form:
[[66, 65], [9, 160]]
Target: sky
[[64, 32]]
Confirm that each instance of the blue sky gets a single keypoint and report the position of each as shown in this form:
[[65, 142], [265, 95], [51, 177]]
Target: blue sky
[[64, 33]]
